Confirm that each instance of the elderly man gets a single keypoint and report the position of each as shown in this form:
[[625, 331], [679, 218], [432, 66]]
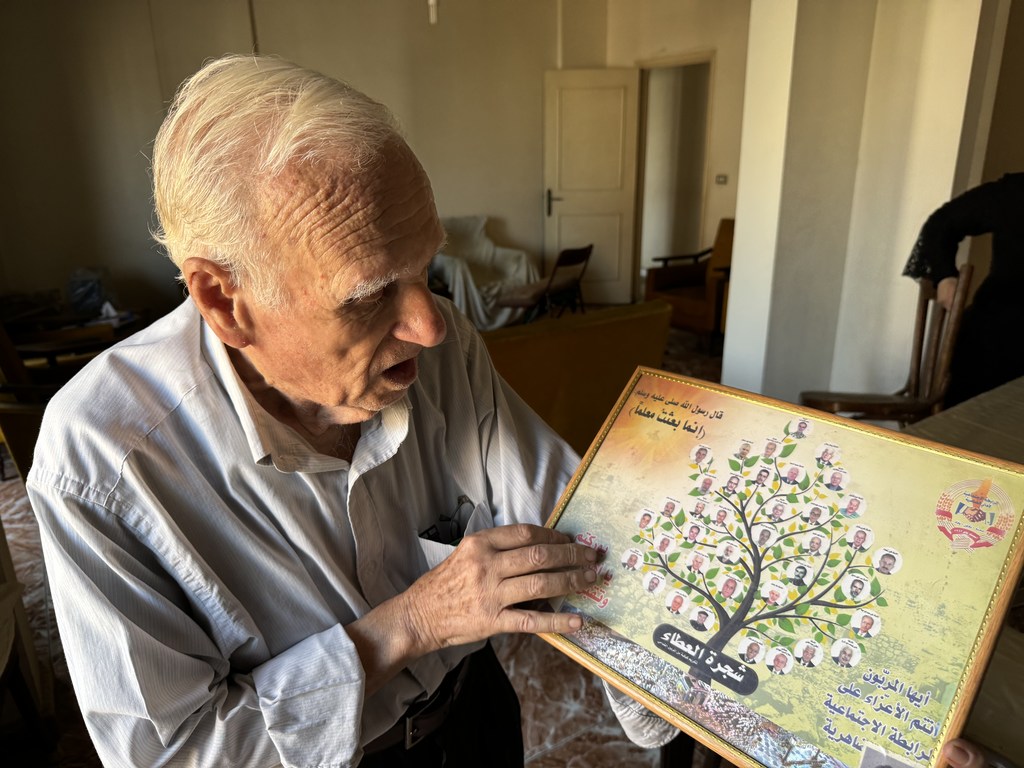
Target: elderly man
[[752, 650], [835, 482], [250, 510]]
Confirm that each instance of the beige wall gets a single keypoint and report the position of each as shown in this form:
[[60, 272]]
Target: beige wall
[[830, 71], [468, 90], [762, 158], [81, 105], [95, 79], [1005, 150], [838, 314], [674, 162], [913, 116], [652, 32]]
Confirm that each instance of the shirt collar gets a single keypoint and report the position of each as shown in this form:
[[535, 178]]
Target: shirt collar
[[272, 443]]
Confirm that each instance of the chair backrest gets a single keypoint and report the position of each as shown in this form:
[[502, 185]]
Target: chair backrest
[[721, 251], [935, 332], [569, 267]]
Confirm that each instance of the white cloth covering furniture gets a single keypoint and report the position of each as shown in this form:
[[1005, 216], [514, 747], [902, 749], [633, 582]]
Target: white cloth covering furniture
[[475, 270]]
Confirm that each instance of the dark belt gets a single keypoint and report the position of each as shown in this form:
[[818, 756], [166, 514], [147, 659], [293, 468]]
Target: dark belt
[[423, 717]]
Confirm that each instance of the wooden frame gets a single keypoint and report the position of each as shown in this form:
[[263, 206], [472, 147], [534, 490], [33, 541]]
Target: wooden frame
[[793, 663]]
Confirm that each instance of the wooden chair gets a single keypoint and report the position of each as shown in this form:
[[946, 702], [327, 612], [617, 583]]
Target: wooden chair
[[560, 290], [19, 427], [23, 394], [935, 332], [697, 288], [21, 673], [13, 671]]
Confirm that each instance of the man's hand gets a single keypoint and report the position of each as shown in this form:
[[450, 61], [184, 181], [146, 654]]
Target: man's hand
[[479, 591], [944, 292]]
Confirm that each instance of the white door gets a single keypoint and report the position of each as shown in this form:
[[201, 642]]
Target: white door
[[590, 160]]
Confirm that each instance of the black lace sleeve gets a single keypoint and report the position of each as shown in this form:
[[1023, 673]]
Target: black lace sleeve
[[977, 211], [918, 265]]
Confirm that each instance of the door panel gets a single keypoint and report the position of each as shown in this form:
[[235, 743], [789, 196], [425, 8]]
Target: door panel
[[590, 155]]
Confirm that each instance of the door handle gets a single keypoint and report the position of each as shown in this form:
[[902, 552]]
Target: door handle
[[552, 199]]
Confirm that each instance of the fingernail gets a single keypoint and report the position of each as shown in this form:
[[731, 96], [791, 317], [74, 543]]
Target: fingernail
[[957, 755], [590, 575], [575, 623], [591, 555]]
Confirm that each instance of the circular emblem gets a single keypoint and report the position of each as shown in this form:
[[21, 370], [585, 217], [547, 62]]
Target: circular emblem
[[974, 514]]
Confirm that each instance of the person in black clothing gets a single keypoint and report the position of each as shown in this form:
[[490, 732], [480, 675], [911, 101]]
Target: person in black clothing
[[981, 360]]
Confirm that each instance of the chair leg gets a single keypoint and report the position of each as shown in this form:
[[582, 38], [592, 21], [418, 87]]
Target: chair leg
[[14, 682]]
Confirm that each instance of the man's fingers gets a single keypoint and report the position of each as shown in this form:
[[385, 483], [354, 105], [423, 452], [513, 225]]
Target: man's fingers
[[516, 536], [534, 586], [544, 557], [532, 622], [496, 571]]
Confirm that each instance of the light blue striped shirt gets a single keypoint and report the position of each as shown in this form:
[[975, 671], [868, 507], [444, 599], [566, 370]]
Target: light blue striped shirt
[[204, 559]]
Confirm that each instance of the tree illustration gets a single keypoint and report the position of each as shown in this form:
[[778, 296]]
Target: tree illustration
[[787, 535]]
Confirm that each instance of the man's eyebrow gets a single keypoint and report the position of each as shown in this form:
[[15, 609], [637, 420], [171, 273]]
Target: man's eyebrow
[[373, 285], [370, 287]]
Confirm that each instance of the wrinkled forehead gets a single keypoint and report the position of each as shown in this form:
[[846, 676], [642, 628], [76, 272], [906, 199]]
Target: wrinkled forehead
[[362, 191], [336, 207]]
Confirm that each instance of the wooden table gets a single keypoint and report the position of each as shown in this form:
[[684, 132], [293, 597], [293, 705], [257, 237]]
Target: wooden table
[[992, 424]]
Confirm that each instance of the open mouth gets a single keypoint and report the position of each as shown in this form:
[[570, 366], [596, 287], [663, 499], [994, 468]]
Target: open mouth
[[402, 374]]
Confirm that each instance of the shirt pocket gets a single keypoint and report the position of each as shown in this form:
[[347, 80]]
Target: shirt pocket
[[436, 553]]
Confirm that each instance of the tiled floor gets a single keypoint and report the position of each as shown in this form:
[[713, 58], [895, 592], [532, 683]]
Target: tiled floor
[[566, 719]]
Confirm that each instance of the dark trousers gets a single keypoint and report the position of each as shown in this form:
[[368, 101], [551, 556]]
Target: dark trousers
[[483, 727]]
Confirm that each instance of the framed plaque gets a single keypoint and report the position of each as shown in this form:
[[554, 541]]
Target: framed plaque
[[789, 587]]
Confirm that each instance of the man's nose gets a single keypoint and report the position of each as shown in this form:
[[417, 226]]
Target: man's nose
[[419, 321]]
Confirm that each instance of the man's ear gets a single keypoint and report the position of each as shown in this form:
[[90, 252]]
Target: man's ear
[[219, 300]]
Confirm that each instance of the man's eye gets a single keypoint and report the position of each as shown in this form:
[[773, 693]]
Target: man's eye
[[369, 299], [372, 298]]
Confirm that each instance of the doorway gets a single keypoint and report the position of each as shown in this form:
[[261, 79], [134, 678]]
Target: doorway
[[673, 161]]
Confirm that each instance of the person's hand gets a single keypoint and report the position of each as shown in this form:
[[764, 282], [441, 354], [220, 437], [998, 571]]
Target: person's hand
[[962, 753], [474, 594], [944, 292], [479, 590]]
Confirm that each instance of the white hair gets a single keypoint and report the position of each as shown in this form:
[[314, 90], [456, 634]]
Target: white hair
[[235, 126]]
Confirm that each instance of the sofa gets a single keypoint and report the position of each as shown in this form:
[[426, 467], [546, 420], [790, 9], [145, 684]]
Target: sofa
[[571, 370]]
